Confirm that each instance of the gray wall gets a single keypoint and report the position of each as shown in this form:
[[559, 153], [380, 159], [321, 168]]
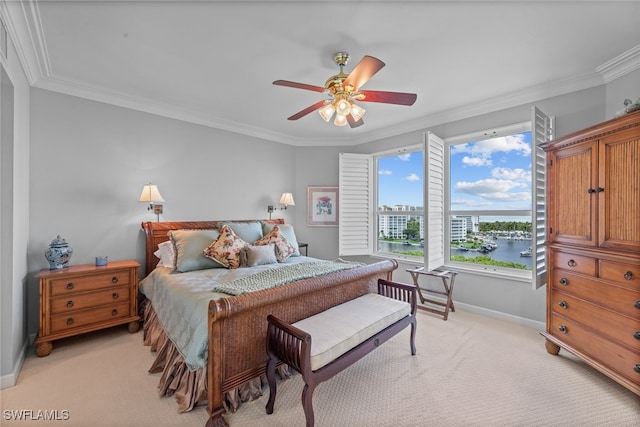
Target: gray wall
[[14, 216]]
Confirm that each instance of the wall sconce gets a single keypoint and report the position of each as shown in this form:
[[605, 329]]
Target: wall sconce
[[286, 200], [151, 194]]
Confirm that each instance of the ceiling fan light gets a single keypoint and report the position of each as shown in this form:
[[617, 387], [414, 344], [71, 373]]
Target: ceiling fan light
[[327, 111], [357, 112], [340, 120], [343, 107]]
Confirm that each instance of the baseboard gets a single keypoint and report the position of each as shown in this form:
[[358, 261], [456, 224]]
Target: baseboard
[[535, 324], [11, 379]]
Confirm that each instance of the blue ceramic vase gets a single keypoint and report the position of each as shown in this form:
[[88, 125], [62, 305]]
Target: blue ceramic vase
[[58, 254]]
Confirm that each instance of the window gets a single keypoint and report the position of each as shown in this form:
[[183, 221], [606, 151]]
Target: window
[[441, 212], [399, 203], [489, 199]]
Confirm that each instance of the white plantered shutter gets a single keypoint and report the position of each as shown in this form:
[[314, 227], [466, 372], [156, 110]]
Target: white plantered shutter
[[355, 213], [541, 132], [434, 190]]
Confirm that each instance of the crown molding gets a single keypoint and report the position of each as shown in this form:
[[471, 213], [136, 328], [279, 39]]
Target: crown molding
[[623, 64], [25, 30]]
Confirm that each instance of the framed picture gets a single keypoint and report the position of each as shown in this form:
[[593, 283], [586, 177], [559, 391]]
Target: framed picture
[[322, 206]]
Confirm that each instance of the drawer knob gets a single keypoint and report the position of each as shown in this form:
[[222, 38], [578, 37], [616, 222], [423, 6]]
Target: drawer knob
[[563, 304], [115, 295], [572, 263], [69, 286], [564, 282], [637, 304], [563, 329], [114, 312], [114, 279], [628, 275], [636, 367], [636, 335], [69, 304], [70, 321]]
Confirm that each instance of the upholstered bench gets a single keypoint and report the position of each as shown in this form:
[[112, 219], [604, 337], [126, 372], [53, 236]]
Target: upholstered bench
[[322, 345]]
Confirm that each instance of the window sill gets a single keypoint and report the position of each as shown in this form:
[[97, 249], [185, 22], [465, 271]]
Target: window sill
[[524, 276]]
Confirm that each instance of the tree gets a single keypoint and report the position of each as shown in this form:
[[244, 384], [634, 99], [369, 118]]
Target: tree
[[413, 229]]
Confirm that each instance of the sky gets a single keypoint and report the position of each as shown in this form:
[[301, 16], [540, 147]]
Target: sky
[[492, 174]]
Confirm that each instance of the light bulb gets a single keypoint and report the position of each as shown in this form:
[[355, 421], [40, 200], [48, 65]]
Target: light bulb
[[357, 112], [340, 120], [327, 111], [343, 107]]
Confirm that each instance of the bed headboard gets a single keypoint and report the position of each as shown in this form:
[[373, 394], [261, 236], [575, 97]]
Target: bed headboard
[[157, 232]]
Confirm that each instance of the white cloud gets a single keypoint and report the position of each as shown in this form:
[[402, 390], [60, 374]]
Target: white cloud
[[384, 172], [405, 157], [412, 177], [517, 174], [494, 189], [480, 152], [476, 161]]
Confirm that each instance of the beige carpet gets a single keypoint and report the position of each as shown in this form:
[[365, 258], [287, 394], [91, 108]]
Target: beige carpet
[[469, 371]]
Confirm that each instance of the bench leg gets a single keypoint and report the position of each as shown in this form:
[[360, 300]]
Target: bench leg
[[271, 378], [412, 340], [307, 404]]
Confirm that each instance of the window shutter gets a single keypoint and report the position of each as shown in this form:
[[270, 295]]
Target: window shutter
[[355, 213], [434, 199], [541, 131]]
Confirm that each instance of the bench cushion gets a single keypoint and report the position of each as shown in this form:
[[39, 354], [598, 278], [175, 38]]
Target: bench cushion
[[341, 328]]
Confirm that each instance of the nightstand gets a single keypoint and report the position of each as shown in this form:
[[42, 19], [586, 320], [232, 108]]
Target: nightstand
[[305, 246], [86, 298]]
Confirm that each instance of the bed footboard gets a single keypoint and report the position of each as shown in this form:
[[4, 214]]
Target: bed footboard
[[238, 325]]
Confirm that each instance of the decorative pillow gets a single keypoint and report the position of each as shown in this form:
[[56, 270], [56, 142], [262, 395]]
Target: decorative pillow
[[247, 231], [166, 254], [188, 246], [287, 231], [226, 248], [283, 248], [258, 255]]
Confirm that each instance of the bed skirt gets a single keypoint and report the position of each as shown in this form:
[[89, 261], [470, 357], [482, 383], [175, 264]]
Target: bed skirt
[[190, 387]]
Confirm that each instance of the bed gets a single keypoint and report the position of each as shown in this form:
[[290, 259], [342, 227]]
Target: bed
[[232, 368]]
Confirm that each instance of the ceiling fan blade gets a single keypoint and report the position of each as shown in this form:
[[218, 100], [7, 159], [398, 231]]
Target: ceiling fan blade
[[307, 110], [353, 122], [365, 69], [400, 98], [298, 85]]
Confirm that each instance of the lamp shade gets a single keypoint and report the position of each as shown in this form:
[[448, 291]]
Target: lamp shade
[[287, 199], [150, 193]]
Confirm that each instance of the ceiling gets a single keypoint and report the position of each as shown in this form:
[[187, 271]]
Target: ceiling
[[213, 62]]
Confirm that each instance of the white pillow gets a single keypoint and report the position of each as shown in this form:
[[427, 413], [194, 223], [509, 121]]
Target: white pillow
[[166, 254]]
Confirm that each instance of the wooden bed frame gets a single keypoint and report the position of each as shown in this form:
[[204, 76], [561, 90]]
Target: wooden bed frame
[[238, 324]]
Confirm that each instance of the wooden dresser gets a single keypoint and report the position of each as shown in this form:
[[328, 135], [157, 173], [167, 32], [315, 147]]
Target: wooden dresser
[[85, 298], [593, 247]]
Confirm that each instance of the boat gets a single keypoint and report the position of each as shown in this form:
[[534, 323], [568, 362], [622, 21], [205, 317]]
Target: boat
[[526, 252]]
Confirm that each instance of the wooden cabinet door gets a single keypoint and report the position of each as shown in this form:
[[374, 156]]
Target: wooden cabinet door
[[573, 179], [619, 198]]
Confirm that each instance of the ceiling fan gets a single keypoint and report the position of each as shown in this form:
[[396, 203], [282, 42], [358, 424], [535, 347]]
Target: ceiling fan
[[345, 88]]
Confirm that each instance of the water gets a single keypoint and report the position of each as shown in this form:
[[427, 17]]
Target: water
[[507, 250]]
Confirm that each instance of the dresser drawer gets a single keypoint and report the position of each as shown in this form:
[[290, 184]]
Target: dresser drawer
[[616, 357], [78, 301], [577, 263], [627, 275], [66, 286], [62, 322], [613, 297], [617, 328]]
